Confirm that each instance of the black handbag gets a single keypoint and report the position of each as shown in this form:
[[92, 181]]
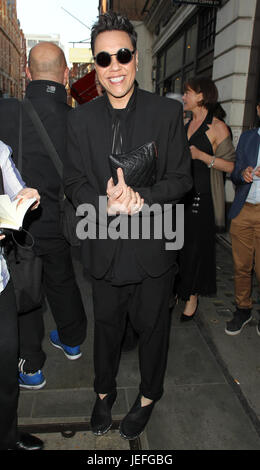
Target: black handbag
[[68, 218], [25, 267], [26, 273], [139, 165]]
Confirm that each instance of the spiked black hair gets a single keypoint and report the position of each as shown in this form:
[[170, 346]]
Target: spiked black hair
[[112, 21]]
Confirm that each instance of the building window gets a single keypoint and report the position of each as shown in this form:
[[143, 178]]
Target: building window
[[174, 56], [177, 84], [190, 52], [31, 43], [177, 59], [160, 67], [207, 29], [191, 44]]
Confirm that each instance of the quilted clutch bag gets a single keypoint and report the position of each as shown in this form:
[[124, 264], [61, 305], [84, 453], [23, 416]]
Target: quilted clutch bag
[[139, 165]]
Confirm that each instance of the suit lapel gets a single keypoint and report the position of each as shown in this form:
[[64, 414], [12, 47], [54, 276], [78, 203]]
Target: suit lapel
[[140, 136], [101, 144]]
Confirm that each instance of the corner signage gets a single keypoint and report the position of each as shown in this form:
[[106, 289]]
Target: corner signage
[[203, 3]]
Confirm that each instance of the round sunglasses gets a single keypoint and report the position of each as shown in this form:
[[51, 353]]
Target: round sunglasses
[[123, 56]]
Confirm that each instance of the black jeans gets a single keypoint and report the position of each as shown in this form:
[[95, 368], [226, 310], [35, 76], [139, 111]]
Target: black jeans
[[66, 305], [9, 388], [147, 304]]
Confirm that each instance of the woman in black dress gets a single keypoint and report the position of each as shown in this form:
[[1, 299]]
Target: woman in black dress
[[206, 134]]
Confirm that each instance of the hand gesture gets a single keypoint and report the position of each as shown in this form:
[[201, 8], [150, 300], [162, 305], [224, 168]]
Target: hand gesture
[[247, 174], [27, 193], [195, 152], [122, 198]]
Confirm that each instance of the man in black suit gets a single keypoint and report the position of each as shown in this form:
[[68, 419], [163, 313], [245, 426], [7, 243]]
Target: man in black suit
[[48, 74], [128, 275]]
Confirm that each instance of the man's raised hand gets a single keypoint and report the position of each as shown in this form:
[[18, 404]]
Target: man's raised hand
[[122, 198]]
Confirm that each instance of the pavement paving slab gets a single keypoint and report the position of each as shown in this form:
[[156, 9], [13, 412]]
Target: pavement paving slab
[[211, 395]]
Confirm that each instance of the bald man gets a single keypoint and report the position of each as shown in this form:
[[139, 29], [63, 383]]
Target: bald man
[[48, 74], [46, 61]]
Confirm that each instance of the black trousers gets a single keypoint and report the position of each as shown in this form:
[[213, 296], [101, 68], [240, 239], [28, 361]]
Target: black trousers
[[9, 388], [147, 304], [66, 305]]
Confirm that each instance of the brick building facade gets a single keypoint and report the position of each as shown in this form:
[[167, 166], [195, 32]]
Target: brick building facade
[[12, 52]]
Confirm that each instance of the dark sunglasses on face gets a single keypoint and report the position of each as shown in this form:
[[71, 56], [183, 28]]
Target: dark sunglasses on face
[[123, 56]]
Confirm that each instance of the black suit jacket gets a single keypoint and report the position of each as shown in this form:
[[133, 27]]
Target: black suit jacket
[[87, 171]]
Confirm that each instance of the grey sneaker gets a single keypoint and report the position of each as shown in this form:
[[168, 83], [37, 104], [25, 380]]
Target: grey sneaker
[[258, 328], [241, 318]]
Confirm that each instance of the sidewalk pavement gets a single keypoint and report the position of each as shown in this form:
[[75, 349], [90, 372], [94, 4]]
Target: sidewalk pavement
[[211, 399]]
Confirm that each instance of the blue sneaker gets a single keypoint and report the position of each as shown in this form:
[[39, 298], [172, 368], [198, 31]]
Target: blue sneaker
[[71, 353], [34, 381]]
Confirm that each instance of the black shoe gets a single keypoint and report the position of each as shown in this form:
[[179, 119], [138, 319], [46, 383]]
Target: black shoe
[[241, 318], [136, 419], [28, 442], [184, 317], [101, 419]]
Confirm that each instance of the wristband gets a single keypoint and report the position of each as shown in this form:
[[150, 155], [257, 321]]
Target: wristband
[[210, 165]]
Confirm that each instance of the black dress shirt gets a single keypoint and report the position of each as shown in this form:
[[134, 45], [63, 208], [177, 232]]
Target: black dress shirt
[[125, 268]]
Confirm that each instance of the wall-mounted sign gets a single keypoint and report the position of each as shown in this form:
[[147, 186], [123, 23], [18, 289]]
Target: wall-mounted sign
[[203, 3], [80, 55]]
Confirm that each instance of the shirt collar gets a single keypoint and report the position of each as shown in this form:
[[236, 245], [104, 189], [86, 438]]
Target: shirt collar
[[46, 88], [130, 105]]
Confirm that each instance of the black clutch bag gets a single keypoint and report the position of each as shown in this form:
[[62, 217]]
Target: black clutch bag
[[139, 165]]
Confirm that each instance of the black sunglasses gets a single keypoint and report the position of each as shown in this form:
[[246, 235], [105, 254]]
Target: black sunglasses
[[123, 56]]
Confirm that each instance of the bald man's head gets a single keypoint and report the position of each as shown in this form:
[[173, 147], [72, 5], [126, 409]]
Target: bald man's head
[[47, 62]]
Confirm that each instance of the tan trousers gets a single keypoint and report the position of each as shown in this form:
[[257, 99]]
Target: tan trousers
[[245, 236]]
